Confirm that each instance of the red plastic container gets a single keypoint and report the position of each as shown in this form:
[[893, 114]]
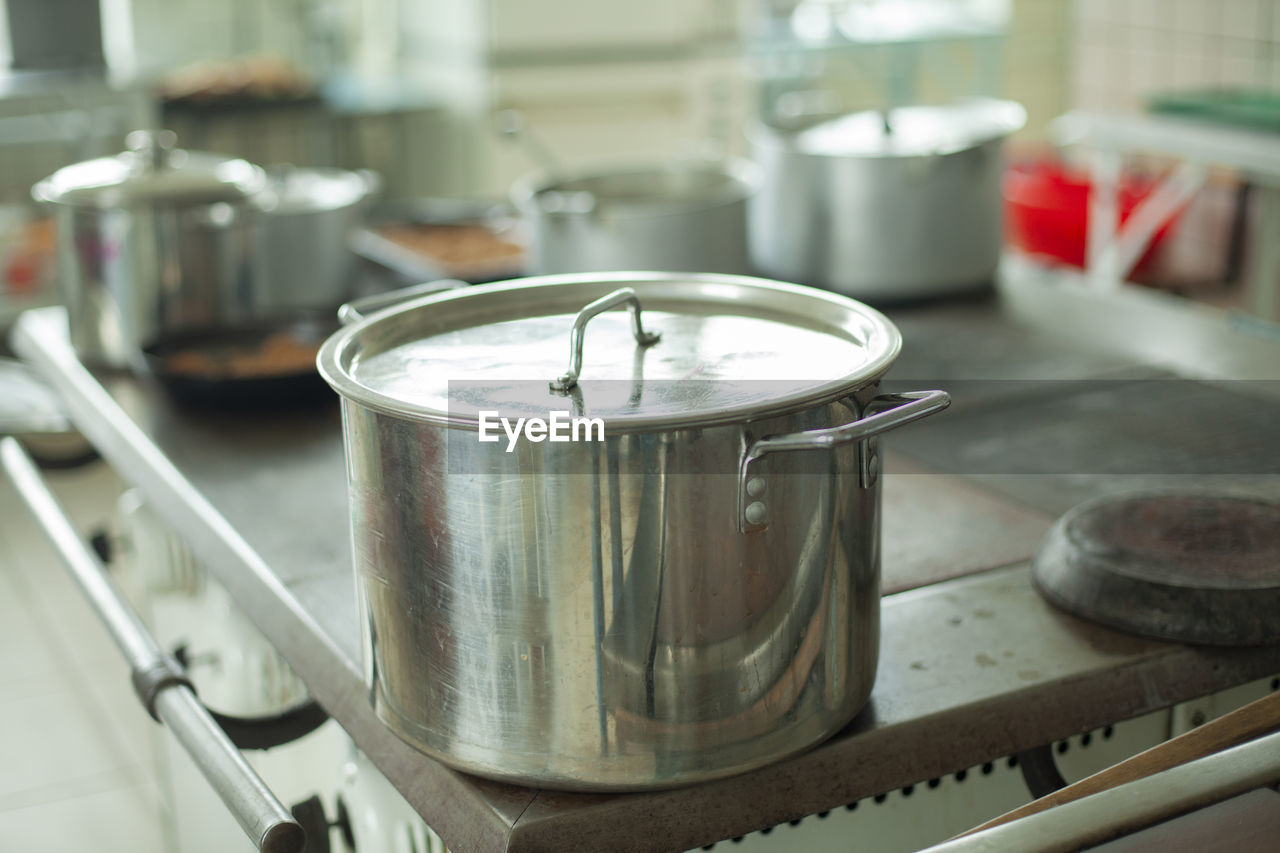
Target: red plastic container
[[1046, 208]]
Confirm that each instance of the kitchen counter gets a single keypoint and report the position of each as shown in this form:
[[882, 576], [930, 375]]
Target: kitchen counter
[[974, 665]]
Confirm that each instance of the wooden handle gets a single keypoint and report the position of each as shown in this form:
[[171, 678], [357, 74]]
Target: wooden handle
[[1243, 724]]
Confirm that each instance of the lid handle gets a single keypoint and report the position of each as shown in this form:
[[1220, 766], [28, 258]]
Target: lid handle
[[153, 146], [622, 296]]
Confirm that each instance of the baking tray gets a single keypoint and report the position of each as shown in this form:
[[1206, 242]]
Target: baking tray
[[427, 239]]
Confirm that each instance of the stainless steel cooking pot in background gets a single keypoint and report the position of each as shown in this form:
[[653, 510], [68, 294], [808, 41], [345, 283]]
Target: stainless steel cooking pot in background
[[692, 594], [308, 218], [681, 215], [152, 239], [884, 206]]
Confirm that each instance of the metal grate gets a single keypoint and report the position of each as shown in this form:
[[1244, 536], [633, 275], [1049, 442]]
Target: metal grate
[[930, 811]]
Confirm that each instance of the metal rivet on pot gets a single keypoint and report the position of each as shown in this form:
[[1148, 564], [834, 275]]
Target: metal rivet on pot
[[221, 214], [756, 513], [873, 469], [755, 486]]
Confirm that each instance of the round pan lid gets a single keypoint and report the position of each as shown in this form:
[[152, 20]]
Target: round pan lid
[[1195, 567], [730, 348], [908, 131], [152, 171]]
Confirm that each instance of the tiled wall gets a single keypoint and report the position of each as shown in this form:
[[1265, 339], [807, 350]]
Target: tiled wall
[[1125, 50], [1036, 61]]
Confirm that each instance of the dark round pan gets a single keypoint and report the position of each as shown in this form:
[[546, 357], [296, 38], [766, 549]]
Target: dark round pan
[[261, 366], [1188, 566]]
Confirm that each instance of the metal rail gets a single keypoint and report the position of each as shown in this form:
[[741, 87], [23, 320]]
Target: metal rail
[[1132, 806], [158, 679]]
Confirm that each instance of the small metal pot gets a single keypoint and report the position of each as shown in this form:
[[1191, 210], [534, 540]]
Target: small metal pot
[[308, 219], [884, 206], [36, 415], [694, 593], [151, 240], [686, 215]]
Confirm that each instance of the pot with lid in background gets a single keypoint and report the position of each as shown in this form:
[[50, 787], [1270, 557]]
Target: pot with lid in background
[[888, 205], [680, 215], [308, 220], [151, 240], [690, 592], [33, 413]]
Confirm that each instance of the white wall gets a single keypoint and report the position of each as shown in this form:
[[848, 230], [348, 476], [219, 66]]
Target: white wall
[[171, 33], [1037, 61]]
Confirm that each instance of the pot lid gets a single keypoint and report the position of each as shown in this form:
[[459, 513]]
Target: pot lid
[[290, 190], [642, 189], [728, 348], [152, 171], [913, 131]]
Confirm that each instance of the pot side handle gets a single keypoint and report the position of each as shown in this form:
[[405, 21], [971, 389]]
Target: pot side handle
[[355, 310], [888, 411], [372, 182], [621, 296]]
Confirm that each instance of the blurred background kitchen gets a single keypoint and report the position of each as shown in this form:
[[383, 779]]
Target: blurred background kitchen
[[414, 91]]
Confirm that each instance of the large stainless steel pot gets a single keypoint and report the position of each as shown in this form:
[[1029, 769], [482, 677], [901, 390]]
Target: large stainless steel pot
[[149, 241], [682, 215], [694, 595], [308, 220], [884, 206]]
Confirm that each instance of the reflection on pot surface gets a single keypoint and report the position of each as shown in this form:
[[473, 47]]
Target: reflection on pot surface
[[562, 615]]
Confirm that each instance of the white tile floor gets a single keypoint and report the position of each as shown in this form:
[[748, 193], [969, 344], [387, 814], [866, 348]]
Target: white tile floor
[[76, 761]]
